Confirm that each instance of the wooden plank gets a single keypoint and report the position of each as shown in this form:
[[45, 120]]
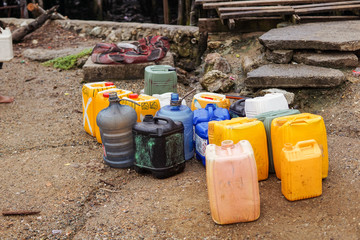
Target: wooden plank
[[231, 24], [247, 24], [236, 15], [261, 3], [307, 19], [199, 2], [237, 9], [326, 9], [326, 4]]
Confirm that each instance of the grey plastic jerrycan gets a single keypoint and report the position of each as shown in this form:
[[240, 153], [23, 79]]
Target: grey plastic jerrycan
[[115, 123]]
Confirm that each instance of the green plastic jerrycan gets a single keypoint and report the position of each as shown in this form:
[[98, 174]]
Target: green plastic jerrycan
[[160, 79], [267, 118]]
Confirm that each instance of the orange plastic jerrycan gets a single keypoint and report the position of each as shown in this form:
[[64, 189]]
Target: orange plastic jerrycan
[[243, 128], [200, 100], [296, 128], [102, 101], [301, 175], [148, 105], [89, 92], [232, 182]]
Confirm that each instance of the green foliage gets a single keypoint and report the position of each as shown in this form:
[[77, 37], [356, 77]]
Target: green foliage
[[69, 61]]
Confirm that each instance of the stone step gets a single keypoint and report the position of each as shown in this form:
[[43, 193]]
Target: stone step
[[293, 76], [330, 59], [341, 36], [94, 72]]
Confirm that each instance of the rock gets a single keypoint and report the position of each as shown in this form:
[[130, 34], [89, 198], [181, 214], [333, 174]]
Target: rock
[[293, 76], [279, 56], [214, 61], [329, 59], [42, 55], [103, 72], [250, 63], [216, 81], [214, 44], [96, 31], [182, 76], [320, 36], [222, 65], [288, 95]]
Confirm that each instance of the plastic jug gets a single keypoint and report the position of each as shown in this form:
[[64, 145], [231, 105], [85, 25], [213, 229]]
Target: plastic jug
[[178, 112], [102, 101], [159, 147], [89, 91], [267, 118], [160, 79], [115, 123], [301, 169], [6, 47], [200, 100], [200, 121], [296, 128], [237, 109], [238, 129], [146, 105], [165, 98], [267, 103], [232, 182]]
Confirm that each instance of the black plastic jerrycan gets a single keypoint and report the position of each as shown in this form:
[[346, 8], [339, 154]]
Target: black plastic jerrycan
[[159, 146]]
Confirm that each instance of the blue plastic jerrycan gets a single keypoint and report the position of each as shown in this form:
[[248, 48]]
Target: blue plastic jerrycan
[[178, 112], [200, 122]]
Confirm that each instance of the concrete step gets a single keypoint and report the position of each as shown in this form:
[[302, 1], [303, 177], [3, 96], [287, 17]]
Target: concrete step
[[94, 72], [341, 36], [293, 76], [329, 59]]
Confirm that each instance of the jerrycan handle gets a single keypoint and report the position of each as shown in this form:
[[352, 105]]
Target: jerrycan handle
[[306, 145], [165, 119], [129, 101]]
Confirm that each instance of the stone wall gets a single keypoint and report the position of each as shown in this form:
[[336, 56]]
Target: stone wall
[[187, 43]]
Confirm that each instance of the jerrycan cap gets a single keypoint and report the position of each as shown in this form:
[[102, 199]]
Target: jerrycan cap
[[288, 146], [105, 94], [148, 118], [133, 96], [113, 97], [109, 84], [227, 144]]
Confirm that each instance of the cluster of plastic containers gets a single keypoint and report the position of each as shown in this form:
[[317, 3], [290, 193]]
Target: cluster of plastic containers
[[239, 144]]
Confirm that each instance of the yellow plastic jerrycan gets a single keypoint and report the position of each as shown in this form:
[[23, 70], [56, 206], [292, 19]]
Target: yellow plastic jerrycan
[[301, 175], [89, 91], [148, 105], [232, 182], [243, 128], [200, 100], [295, 128], [102, 101]]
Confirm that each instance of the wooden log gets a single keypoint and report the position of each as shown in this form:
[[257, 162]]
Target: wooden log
[[21, 32], [261, 3], [260, 13], [326, 9], [38, 10]]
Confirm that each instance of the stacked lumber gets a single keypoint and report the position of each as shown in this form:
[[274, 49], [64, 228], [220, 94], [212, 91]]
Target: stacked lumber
[[297, 11]]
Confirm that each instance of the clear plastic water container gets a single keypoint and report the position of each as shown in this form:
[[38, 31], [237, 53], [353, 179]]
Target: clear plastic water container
[[267, 103], [6, 48]]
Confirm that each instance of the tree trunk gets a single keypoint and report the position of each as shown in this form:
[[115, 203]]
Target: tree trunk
[[180, 20], [21, 32]]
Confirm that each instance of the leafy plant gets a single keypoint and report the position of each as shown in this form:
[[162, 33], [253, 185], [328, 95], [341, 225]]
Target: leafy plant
[[67, 62]]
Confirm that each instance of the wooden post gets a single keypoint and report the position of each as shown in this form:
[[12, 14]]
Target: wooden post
[[180, 19], [166, 11]]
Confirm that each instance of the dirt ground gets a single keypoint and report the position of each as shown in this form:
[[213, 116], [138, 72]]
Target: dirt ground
[[49, 163]]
